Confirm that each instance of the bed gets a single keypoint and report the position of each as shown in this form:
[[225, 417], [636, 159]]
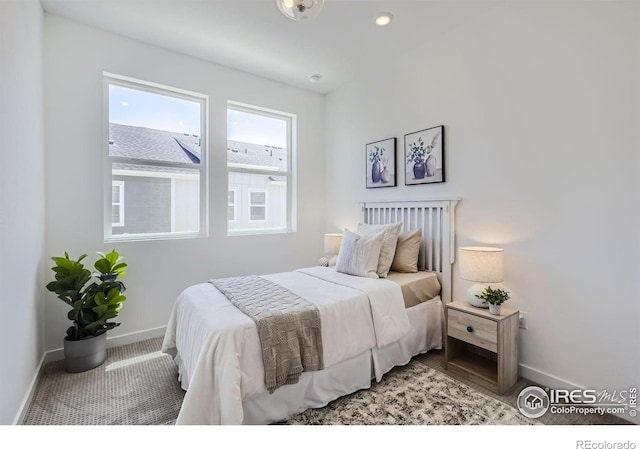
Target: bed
[[368, 327]]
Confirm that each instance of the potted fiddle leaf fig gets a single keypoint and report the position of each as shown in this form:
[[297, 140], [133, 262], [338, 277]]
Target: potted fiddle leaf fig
[[92, 306]]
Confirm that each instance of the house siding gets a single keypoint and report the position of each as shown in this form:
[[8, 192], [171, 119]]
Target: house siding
[[147, 205]]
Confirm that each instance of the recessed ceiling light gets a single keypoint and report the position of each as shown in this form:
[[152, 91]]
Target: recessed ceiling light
[[315, 78], [383, 19]]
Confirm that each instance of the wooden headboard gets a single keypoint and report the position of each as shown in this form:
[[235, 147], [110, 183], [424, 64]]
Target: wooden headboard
[[436, 218]]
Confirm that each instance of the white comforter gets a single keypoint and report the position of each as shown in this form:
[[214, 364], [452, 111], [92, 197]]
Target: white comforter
[[218, 350]]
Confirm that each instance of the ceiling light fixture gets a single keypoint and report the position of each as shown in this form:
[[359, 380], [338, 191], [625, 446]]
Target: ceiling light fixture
[[300, 9], [383, 19]]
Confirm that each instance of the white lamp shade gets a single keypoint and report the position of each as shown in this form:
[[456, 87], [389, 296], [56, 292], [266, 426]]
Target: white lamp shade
[[481, 264], [332, 243]]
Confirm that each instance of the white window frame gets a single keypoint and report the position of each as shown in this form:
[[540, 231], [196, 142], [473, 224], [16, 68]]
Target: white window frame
[[146, 86], [120, 203], [234, 204], [265, 206], [289, 174]]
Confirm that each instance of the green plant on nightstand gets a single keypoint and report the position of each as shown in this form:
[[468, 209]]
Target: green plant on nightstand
[[494, 297]]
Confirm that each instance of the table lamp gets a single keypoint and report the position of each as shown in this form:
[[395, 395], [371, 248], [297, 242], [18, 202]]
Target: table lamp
[[480, 264], [332, 247]]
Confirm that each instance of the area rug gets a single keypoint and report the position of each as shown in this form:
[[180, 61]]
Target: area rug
[[414, 394]]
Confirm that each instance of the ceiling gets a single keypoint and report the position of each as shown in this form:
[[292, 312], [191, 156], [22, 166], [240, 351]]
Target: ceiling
[[341, 44]]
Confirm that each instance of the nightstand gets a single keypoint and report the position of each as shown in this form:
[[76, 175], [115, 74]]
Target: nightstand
[[482, 347]]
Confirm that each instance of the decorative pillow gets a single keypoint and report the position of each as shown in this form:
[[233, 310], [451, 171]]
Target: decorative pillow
[[359, 254], [407, 250], [389, 243]]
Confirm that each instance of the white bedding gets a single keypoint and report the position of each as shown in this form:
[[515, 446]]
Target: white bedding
[[318, 388], [218, 350]]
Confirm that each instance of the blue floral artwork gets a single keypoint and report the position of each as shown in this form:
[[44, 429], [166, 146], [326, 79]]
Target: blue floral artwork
[[381, 163], [424, 156]]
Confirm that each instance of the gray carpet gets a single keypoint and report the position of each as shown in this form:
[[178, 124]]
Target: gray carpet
[[137, 385]]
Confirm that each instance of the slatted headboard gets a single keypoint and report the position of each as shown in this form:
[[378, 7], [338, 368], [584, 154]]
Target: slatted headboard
[[436, 218]]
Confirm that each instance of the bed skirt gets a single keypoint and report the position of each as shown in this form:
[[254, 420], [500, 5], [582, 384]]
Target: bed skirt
[[318, 388]]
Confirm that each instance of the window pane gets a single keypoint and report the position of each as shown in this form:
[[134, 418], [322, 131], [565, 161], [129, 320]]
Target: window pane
[[232, 196], [258, 198], [115, 214], [258, 213], [231, 213], [156, 148], [256, 141], [115, 194], [261, 202], [153, 127], [159, 199]]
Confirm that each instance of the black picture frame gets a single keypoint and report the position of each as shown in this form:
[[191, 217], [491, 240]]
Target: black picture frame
[[424, 156], [380, 163]]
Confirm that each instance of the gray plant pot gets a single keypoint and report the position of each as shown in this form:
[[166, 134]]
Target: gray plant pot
[[83, 355]]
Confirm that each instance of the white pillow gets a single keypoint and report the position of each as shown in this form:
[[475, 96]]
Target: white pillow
[[389, 242], [359, 254]]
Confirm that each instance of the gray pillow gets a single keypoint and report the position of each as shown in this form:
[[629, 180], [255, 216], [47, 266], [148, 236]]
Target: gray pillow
[[359, 254], [407, 250], [389, 243]]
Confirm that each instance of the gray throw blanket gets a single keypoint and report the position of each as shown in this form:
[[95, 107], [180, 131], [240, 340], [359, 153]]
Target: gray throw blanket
[[288, 327]]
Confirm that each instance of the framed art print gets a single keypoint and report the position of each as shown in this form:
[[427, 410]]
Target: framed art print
[[381, 163], [424, 156]]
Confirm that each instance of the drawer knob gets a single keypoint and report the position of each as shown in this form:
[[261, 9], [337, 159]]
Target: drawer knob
[[469, 329]]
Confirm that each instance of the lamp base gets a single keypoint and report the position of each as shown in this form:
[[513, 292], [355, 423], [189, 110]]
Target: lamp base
[[333, 261], [474, 290]]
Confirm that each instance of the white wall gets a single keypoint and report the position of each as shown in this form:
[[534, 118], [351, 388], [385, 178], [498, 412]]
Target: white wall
[[21, 201], [75, 58], [541, 108]]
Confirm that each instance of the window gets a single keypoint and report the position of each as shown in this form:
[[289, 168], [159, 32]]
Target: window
[[258, 205], [157, 147], [231, 208], [117, 203], [260, 161]]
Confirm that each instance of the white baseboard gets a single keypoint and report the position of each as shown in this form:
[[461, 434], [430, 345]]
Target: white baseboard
[[58, 354], [551, 381], [26, 402], [546, 379], [133, 337]]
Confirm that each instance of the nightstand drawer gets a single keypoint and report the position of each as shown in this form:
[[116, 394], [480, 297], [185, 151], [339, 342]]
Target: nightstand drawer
[[473, 329]]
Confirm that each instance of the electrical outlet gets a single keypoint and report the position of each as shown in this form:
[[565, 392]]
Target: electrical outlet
[[523, 321]]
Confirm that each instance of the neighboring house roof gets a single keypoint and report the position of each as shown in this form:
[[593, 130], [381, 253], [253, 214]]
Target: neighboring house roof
[[148, 144], [153, 144], [155, 169], [254, 154]]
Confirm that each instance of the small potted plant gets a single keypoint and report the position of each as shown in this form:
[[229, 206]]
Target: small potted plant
[[493, 297], [91, 306]]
